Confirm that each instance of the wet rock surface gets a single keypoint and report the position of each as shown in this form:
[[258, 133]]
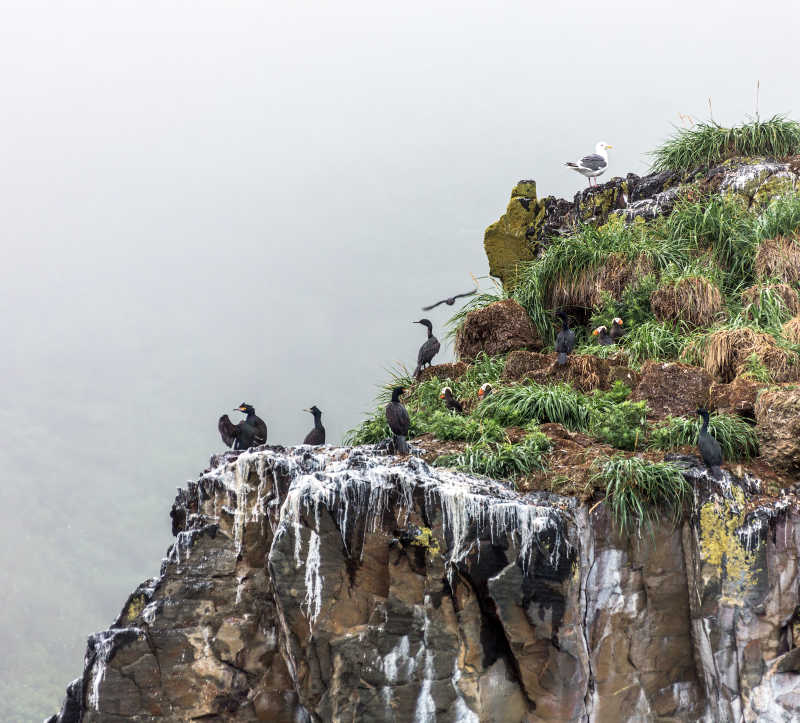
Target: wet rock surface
[[778, 426], [334, 584]]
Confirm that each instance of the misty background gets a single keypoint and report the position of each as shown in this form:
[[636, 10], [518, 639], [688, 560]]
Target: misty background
[[208, 203]]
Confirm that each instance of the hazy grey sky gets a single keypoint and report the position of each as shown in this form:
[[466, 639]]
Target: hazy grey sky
[[204, 203]]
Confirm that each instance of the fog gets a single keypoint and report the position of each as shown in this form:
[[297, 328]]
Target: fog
[[209, 203]]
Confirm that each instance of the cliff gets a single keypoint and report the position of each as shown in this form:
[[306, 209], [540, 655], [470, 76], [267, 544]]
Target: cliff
[[344, 584]]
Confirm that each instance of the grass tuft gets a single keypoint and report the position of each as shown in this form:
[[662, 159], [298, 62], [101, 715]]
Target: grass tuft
[[640, 493], [770, 305], [736, 437], [524, 403], [707, 144]]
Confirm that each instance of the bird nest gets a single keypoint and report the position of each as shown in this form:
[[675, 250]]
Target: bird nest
[[693, 299], [779, 258], [727, 351], [754, 296], [791, 330]]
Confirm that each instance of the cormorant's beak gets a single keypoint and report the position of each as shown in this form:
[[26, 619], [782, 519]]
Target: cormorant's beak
[[239, 409], [307, 410]]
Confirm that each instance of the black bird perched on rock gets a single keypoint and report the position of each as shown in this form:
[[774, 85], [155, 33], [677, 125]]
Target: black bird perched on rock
[[616, 330], [397, 416], [316, 435], [250, 432], [449, 301], [450, 401], [428, 350], [485, 391], [710, 450], [565, 341], [601, 332]]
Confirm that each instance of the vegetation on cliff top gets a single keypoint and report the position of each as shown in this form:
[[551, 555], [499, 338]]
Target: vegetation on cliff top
[[706, 144]]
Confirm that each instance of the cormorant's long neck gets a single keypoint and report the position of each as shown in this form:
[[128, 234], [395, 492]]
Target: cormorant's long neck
[[564, 325], [430, 331], [395, 396], [704, 428], [250, 417], [317, 420]]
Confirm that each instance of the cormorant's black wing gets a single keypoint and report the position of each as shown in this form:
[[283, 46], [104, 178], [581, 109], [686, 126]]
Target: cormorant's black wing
[[260, 432], [315, 436], [428, 350], [449, 300], [228, 430], [397, 416], [710, 450]]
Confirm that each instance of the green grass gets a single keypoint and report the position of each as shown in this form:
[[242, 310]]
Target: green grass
[[707, 144], [655, 340], [780, 218], [640, 493], [501, 460], [449, 426], [768, 311], [523, 403], [622, 425], [736, 437]]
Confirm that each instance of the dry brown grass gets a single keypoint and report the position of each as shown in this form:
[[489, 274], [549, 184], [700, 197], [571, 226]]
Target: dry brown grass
[[752, 296], [779, 258], [727, 350], [694, 299], [791, 330], [585, 289]]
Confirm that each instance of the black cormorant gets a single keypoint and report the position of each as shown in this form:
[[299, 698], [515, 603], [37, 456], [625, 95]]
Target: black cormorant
[[449, 301], [710, 450], [397, 416], [485, 391], [250, 432], [616, 330], [316, 435], [428, 350], [450, 401], [601, 332], [565, 341]]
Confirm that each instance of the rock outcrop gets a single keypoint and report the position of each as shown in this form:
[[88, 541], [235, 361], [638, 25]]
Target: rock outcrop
[[778, 425], [528, 224], [496, 329], [333, 584]]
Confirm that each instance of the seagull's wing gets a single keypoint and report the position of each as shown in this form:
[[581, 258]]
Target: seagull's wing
[[593, 162]]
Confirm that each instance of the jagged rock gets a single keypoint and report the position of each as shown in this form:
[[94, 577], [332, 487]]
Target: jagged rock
[[778, 427], [672, 389], [496, 329], [737, 397], [506, 241], [448, 370], [524, 230], [345, 585]]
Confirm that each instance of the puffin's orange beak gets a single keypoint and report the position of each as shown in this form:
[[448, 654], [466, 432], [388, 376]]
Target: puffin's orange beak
[[441, 396], [480, 392], [595, 332]]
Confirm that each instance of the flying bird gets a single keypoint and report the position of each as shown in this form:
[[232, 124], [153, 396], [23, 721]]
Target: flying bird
[[397, 416], [250, 432], [450, 401], [594, 164], [428, 350], [565, 341], [450, 300], [616, 330], [601, 332], [316, 435], [710, 450]]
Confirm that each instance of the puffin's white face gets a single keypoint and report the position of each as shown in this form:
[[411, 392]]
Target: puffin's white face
[[485, 388], [617, 321], [444, 392], [600, 330]]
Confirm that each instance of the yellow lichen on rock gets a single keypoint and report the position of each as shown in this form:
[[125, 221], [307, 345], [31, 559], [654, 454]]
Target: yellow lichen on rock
[[134, 609], [722, 550], [505, 241], [426, 539]]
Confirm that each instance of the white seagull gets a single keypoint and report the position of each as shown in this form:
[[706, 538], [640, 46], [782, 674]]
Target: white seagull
[[593, 165]]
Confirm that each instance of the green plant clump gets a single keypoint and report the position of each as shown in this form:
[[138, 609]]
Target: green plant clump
[[622, 425], [501, 460], [639, 493], [736, 437], [518, 405], [706, 144]]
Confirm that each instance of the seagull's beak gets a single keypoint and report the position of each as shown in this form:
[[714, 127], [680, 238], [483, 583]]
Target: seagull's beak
[[608, 148]]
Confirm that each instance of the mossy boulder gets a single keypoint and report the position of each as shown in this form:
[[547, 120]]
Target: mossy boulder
[[507, 240]]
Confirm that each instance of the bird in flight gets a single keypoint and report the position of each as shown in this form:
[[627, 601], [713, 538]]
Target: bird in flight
[[449, 301]]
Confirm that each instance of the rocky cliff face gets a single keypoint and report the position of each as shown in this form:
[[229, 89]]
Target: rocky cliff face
[[333, 584]]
